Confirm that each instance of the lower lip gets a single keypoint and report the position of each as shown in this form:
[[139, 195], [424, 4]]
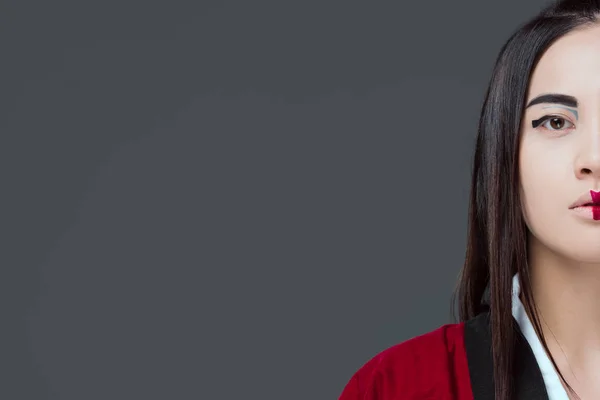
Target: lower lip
[[588, 212]]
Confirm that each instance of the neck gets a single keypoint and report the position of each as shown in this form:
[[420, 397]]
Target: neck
[[567, 295]]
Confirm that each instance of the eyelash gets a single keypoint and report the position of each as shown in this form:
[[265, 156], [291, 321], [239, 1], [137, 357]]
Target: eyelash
[[547, 118]]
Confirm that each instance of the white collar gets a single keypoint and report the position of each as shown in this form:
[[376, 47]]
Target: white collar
[[554, 387]]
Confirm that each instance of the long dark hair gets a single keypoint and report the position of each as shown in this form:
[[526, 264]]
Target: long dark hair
[[497, 235]]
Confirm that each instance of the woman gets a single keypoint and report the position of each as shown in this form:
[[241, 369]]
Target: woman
[[529, 291]]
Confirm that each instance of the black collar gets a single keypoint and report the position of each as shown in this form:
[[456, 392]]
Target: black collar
[[478, 344]]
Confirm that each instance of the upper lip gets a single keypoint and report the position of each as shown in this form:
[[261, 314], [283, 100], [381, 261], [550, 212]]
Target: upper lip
[[584, 199]]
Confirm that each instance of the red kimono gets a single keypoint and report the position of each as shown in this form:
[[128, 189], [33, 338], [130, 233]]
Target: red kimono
[[453, 362]]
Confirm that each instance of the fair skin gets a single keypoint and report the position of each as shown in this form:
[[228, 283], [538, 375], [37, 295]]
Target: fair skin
[[560, 161]]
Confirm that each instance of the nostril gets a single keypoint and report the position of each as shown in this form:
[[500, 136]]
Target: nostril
[[586, 171]]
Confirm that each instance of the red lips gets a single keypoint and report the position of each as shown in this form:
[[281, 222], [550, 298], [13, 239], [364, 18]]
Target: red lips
[[588, 198], [591, 201]]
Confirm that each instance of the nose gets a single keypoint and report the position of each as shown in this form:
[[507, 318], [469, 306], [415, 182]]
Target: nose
[[587, 165]]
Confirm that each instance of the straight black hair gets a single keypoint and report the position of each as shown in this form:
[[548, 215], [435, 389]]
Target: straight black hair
[[497, 234]]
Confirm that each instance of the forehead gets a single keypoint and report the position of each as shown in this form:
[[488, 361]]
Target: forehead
[[571, 65]]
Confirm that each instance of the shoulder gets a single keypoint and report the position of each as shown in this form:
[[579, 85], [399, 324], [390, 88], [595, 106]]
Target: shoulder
[[430, 365]]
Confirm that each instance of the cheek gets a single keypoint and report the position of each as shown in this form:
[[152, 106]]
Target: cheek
[[541, 184], [547, 187]]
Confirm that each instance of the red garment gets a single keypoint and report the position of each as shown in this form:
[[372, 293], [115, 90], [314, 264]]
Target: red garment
[[430, 366]]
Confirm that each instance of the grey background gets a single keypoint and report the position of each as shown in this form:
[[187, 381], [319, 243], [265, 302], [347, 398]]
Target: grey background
[[231, 200]]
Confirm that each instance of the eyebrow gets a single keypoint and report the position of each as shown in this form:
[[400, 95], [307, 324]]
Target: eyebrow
[[554, 98]]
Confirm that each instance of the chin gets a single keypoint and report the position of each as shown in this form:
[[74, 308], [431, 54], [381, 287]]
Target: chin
[[586, 258], [565, 244], [581, 251], [564, 240]]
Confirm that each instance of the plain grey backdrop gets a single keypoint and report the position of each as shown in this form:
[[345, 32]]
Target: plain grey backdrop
[[232, 200]]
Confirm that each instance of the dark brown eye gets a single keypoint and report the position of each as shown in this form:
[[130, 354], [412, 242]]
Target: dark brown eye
[[556, 123], [552, 123]]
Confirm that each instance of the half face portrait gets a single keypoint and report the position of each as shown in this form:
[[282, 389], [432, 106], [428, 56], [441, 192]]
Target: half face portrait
[[559, 157]]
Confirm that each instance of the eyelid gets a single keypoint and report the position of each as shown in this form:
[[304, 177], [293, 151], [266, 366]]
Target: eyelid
[[572, 111], [538, 122], [546, 117]]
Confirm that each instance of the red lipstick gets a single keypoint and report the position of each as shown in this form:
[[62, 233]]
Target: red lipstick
[[588, 205], [595, 204]]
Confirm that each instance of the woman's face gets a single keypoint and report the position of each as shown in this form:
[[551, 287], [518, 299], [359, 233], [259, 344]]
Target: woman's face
[[560, 156]]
